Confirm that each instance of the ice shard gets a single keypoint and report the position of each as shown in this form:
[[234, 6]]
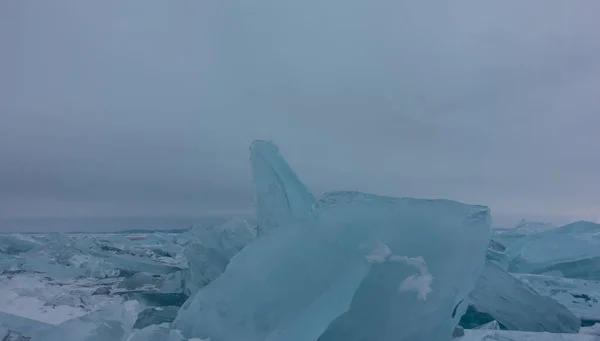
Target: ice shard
[[580, 296], [569, 251], [208, 252], [155, 316], [307, 281], [281, 198], [518, 307]]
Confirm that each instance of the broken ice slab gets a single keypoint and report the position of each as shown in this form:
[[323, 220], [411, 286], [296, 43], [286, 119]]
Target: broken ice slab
[[420, 259], [113, 322], [473, 318], [497, 257], [569, 251], [208, 252], [138, 264], [228, 238], [140, 280], [496, 246], [281, 198], [12, 244], [525, 228], [156, 315], [580, 296], [511, 335], [40, 298], [90, 256], [517, 306], [25, 326], [161, 332]]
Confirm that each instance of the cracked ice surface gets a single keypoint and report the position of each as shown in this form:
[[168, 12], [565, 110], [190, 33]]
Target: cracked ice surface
[[50, 301]]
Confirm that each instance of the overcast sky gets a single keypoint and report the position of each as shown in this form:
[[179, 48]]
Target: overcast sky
[[146, 108]]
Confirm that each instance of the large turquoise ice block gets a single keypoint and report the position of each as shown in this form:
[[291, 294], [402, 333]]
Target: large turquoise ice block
[[385, 268]]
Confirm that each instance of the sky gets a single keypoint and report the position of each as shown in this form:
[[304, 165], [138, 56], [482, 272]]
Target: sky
[[146, 108]]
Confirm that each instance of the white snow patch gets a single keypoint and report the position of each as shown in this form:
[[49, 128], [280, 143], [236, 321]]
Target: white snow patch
[[35, 297], [419, 283]]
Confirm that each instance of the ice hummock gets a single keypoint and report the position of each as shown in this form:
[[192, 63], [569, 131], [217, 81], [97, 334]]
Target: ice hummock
[[208, 251], [63, 257], [313, 273], [580, 296], [281, 198], [524, 229], [347, 267], [518, 307], [12, 244], [570, 251]]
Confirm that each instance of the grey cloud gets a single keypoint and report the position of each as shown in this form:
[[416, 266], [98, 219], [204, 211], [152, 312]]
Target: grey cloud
[[115, 108]]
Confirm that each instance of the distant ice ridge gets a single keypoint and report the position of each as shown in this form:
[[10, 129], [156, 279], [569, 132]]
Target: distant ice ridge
[[16, 243], [570, 251], [356, 266], [523, 229], [63, 257]]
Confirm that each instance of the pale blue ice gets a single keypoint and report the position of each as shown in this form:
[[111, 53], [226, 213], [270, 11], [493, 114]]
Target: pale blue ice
[[355, 266], [571, 251], [281, 198]]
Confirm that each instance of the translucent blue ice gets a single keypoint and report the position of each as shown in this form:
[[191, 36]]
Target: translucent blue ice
[[208, 252], [359, 266], [569, 251], [523, 229], [580, 296], [281, 198], [16, 243], [22, 325], [518, 307]]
